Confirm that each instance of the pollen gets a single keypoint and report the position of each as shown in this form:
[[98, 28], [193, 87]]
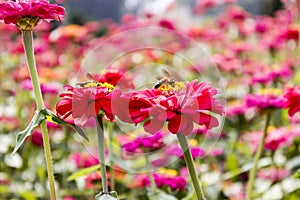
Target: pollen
[[94, 84], [109, 86], [171, 88]]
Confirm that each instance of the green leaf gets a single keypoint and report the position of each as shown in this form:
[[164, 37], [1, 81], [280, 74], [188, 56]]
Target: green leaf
[[37, 119], [159, 194], [232, 162], [53, 118], [297, 174], [83, 172], [110, 196], [80, 132]]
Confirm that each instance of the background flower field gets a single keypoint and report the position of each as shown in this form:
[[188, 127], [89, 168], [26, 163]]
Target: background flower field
[[258, 77]]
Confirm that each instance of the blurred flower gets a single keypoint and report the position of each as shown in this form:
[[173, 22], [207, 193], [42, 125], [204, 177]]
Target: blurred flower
[[71, 32], [273, 173], [292, 33], [27, 13], [236, 107], [145, 144], [85, 102], [177, 151], [265, 98], [50, 88], [275, 139], [180, 104], [37, 139], [166, 179], [93, 181], [292, 100], [84, 160]]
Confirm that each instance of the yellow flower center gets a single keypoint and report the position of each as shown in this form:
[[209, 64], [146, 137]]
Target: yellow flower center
[[169, 172], [94, 84], [170, 87], [270, 91]]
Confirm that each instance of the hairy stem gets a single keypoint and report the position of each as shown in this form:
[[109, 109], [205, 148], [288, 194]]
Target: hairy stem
[[191, 166], [28, 46]]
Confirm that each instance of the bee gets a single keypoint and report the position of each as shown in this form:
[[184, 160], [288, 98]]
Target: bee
[[91, 83], [168, 80]]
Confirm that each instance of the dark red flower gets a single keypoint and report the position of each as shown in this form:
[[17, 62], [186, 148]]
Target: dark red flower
[[85, 102], [180, 104], [292, 100]]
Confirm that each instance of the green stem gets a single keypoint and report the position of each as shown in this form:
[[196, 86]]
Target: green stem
[[183, 141], [101, 152], [111, 149], [28, 46], [256, 159], [150, 174]]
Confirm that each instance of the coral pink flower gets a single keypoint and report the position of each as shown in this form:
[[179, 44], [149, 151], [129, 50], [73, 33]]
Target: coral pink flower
[[180, 104], [85, 102], [292, 102], [11, 11]]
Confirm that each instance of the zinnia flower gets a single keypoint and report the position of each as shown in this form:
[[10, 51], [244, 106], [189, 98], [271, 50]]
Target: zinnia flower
[[292, 100], [27, 13], [164, 179], [85, 102], [265, 98], [180, 104], [146, 144]]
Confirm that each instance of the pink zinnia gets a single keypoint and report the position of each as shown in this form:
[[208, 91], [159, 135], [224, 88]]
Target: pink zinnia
[[11, 12], [85, 102], [180, 105], [266, 98]]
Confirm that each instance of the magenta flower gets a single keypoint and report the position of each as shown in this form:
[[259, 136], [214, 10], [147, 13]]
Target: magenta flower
[[276, 138], [177, 151], [145, 144], [34, 10], [165, 180], [267, 98]]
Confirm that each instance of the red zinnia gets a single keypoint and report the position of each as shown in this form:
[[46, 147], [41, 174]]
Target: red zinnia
[[85, 102], [292, 96], [180, 104]]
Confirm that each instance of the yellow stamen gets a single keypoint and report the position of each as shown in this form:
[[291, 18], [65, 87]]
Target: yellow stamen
[[171, 88], [270, 91], [169, 172]]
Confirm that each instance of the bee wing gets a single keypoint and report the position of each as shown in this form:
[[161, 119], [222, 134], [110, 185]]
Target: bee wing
[[159, 78], [89, 76], [166, 73]]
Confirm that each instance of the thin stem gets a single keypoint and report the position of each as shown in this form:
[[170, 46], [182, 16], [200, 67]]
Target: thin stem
[[111, 149], [150, 174], [256, 159], [28, 46], [101, 152], [190, 164]]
